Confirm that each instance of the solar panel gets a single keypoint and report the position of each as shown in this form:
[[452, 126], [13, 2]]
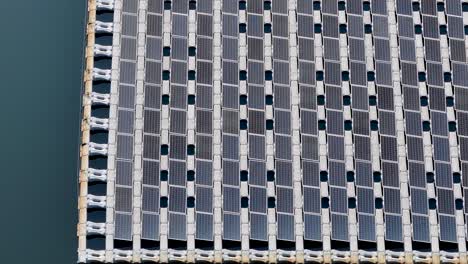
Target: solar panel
[[126, 121], [150, 228], [179, 48], [309, 147], [335, 122], [256, 147], [455, 25], [379, 7], [179, 27], [177, 226], [125, 147], [447, 228], [204, 225], [356, 51], [204, 147], [309, 122], [150, 173], [307, 78], [365, 200], [230, 25], [312, 200], [150, 199], [404, 7], [380, 24], [231, 201], [393, 228], [204, 122], [280, 26], [339, 227], [413, 124], [420, 227], [339, 200], [355, 25], [311, 174], [154, 26], [312, 227], [230, 49], [257, 173], [330, 48], [366, 227], [155, 6], [439, 123], [232, 230], [419, 201], [382, 50], [330, 26], [127, 72], [204, 198], [405, 27], [123, 199], [129, 25], [255, 27], [364, 174], [286, 227], [152, 147], [177, 173], [390, 174], [124, 172], [408, 52], [285, 200], [258, 226], [177, 147], [304, 29], [204, 173], [123, 226]]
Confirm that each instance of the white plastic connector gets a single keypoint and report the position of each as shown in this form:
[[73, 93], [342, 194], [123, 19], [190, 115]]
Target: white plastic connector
[[422, 257], [123, 255], [286, 255], [105, 4], [393, 256], [95, 148], [204, 255], [177, 255], [368, 257], [97, 175], [101, 74], [98, 98], [340, 256], [313, 256], [95, 228], [449, 257], [258, 255], [99, 123], [149, 255], [101, 50], [232, 255], [104, 26], [96, 201], [96, 255]]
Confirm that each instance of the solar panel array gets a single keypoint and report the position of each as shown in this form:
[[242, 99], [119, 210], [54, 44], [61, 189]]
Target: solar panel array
[[290, 130]]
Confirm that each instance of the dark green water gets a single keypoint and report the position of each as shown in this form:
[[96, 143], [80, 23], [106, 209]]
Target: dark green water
[[40, 83]]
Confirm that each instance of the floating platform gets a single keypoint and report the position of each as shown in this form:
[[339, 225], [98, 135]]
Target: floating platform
[[275, 131]]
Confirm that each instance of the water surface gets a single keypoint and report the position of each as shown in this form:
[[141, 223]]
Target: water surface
[[40, 83]]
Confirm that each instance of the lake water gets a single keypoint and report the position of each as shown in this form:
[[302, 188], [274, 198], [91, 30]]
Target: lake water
[[41, 50]]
